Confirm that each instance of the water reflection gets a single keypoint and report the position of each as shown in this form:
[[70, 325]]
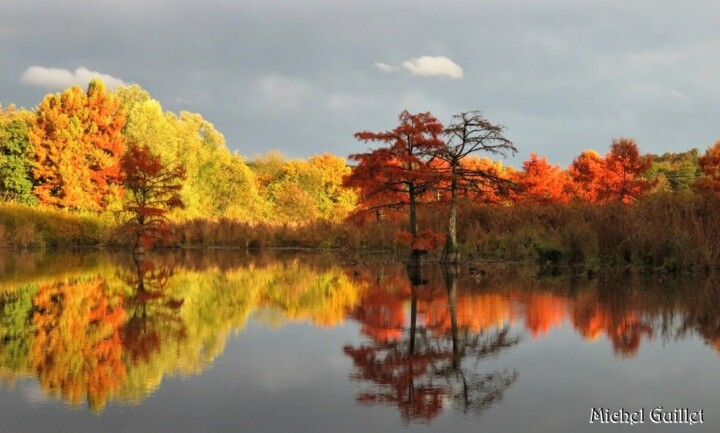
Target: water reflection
[[98, 329], [420, 366], [114, 328]]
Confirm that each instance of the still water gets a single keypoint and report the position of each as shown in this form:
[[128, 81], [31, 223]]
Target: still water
[[220, 341]]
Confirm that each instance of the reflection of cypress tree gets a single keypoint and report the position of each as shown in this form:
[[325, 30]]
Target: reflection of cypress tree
[[153, 313], [419, 371], [469, 390], [399, 371]]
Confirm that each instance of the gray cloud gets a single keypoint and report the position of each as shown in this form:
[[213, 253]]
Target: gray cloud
[[299, 76]]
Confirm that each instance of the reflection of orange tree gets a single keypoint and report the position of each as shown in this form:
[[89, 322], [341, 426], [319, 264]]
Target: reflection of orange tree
[[77, 348], [543, 311], [615, 312], [417, 367]]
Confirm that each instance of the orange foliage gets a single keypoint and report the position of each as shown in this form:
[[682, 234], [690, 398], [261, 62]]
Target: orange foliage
[[488, 192], [616, 178], [624, 167], [586, 172], [78, 144], [710, 167], [541, 182], [77, 348]]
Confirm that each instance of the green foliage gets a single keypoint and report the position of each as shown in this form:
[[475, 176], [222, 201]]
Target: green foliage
[[299, 190], [675, 171], [16, 156]]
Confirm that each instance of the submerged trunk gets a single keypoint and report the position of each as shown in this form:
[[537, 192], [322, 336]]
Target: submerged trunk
[[451, 275]]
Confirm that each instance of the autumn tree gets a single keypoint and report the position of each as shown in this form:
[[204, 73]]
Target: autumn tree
[[467, 134], [16, 156], [710, 168], [218, 183], [399, 175], [541, 182], [152, 189], [624, 168], [586, 172], [78, 143]]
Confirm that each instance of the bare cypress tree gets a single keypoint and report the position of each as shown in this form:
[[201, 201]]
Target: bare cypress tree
[[469, 133]]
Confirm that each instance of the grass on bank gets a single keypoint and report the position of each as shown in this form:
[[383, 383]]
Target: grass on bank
[[672, 232]]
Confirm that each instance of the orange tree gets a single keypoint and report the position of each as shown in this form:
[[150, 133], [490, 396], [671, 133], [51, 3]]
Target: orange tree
[[399, 175], [152, 189], [622, 180], [78, 142], [710, 168], [541, 182]]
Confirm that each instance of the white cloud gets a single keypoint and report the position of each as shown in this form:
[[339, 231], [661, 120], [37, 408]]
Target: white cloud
[[427, 66], [385, 67], [57, 78]]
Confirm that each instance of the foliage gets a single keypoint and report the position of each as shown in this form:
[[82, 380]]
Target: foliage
[[468, 133], [78, 145], [541, 182], [399, 175], [29, 226], [152, 189], [624, 167], [16, 156]]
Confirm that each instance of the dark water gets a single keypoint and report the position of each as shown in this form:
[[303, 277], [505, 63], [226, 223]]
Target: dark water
[[230, 342]]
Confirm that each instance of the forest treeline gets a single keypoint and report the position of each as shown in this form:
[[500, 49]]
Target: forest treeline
[[65, 180]]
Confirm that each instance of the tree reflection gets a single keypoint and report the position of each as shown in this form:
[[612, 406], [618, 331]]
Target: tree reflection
[[101, 331], [470, 390], [614, 310], [76, 351], [153, 313], [423, 366]]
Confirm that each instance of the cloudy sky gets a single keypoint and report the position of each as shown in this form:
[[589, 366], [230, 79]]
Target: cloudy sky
[[301, 76]]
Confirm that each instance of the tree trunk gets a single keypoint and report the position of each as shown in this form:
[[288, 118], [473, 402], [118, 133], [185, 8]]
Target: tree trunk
[[412, 212], [451, 253], [414, 253]]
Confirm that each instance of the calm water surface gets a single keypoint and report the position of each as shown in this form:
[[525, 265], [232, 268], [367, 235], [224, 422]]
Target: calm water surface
[[219, 341]]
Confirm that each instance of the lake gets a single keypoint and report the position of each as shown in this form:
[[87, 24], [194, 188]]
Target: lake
[[228, 341]]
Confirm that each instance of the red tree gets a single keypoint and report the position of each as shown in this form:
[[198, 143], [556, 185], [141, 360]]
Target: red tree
[[153, 188], [399, 175]]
